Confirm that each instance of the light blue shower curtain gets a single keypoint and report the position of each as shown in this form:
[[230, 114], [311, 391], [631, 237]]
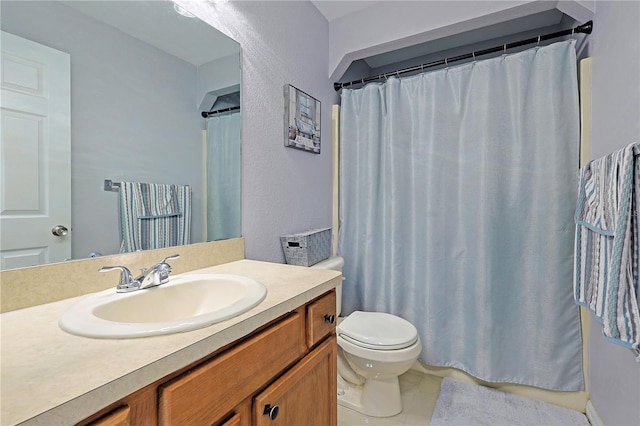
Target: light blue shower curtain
[[458, 191], [223, 176]]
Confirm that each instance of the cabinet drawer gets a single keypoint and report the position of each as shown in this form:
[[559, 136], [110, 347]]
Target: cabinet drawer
[[118, 417], [321, 318], [208, 392], [233, 421]]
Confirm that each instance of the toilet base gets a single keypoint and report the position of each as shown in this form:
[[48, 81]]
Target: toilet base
[[376, 398]]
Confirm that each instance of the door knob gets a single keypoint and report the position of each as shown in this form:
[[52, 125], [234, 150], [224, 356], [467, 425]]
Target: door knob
[[59, 230], [271, 411]]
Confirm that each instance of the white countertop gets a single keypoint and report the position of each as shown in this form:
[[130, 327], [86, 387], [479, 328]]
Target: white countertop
[[49, 377]]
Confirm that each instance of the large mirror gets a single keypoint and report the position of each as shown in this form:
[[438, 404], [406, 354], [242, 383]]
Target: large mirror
[[140, 75]]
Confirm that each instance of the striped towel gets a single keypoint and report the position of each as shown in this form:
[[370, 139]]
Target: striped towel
[[607, 246], [154, 215]]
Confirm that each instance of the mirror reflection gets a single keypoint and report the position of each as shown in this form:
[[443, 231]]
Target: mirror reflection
[[98, 96]]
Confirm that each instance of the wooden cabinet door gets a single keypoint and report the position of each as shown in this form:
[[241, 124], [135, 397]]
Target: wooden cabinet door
[[305, 395]]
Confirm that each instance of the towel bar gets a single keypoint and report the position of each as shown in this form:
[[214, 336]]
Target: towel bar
[[110, 185]]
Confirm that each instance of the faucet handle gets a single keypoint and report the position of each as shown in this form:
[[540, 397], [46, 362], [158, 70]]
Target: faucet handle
[[163, 269], [126, 279], [173, 256]]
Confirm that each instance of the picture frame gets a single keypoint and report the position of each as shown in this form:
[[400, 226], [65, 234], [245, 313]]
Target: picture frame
[[302, 117]]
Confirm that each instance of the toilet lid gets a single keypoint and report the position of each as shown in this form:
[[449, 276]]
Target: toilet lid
[[377, 330]]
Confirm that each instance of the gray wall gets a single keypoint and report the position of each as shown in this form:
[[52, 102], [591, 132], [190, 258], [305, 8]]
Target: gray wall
[[218, 75], [133, 116], [284, 190], [614, 376]]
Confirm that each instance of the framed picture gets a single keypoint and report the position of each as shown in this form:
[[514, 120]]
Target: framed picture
[[302, 120]]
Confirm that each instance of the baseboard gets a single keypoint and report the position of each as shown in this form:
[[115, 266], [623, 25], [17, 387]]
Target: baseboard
[[592, 415]]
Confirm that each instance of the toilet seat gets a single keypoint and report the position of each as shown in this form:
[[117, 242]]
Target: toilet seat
[[377, 330]]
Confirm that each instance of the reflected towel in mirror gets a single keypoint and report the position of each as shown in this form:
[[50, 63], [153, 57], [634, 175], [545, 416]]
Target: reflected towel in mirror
[[154, 215]]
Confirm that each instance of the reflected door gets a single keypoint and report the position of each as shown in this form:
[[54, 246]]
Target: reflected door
[[35, 176]]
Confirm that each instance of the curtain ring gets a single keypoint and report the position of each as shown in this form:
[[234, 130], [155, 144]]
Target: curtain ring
[[474, 56], [505, 48], [446, 61], [538, 43], [363, 81]]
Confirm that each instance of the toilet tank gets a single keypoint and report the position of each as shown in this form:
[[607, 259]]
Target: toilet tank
[[334, 264]]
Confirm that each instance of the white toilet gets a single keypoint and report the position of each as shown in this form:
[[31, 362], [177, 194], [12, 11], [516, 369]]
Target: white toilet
[[374, 348]]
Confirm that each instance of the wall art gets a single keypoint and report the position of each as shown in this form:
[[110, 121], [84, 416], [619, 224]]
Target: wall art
[[302, 120]]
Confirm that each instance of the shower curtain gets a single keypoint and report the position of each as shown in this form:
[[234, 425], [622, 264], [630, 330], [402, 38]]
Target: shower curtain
[[223, 176], [457, 195]]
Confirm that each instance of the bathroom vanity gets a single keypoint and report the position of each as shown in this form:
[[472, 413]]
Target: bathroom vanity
[[275, 364]]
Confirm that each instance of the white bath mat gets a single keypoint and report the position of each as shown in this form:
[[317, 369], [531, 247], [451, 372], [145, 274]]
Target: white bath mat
[[461, 403]]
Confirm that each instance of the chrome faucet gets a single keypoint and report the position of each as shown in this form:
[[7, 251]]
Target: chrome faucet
[[157, 274], [152, 277]]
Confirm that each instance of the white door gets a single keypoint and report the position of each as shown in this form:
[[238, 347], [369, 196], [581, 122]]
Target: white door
[[35, 148]]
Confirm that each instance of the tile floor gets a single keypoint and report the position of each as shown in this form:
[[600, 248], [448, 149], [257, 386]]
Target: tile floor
[[419, 394]]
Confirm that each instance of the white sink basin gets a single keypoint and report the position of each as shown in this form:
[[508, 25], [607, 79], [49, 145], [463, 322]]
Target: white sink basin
[[186, 302]]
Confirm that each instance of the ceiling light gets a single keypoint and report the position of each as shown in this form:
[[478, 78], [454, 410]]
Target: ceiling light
[[182, 11]]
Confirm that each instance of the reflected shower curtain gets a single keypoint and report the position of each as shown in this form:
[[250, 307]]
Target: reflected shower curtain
[[457, 195], [223, 177]]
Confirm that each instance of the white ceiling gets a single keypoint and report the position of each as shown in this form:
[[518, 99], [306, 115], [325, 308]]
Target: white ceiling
[[333, 9], [504, 32], [158, 24]]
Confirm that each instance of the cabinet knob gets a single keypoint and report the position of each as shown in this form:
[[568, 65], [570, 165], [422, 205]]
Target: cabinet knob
[[271, 411], [330, 318]]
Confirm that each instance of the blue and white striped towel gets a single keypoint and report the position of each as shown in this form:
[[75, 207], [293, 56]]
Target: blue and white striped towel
[[606, 255], [154, 215]]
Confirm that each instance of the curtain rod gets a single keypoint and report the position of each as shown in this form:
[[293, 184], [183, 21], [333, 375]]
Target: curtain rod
[[585, 28], [206, 114]]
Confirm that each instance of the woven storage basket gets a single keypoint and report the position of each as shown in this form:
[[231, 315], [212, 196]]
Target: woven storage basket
[[307, 248]]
